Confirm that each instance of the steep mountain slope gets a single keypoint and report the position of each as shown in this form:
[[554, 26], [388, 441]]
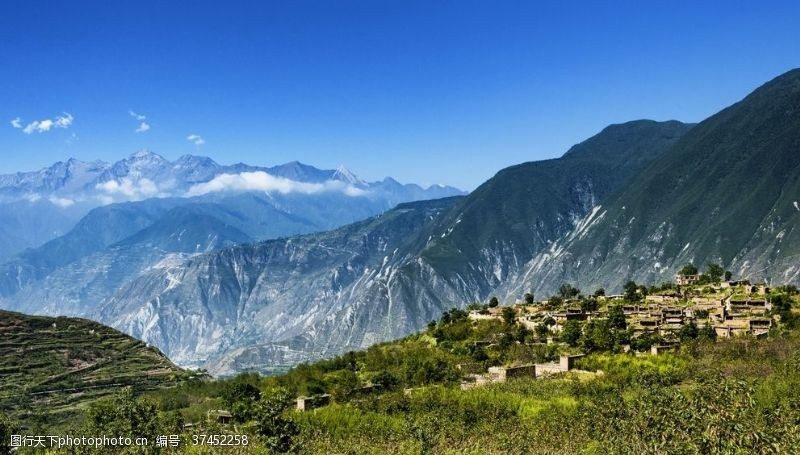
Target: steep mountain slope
[[152, 230], [524, 208], [727, 192], [47, 363], [315, 294], [306, 297]]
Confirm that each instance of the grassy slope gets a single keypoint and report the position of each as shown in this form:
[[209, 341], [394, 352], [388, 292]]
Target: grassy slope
[[41, 357]]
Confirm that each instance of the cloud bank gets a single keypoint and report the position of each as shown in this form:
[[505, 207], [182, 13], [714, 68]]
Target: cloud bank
[[261, 181], [62, 202], [129, 189]]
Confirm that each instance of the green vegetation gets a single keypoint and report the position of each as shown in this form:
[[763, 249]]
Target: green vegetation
[[734, 395]]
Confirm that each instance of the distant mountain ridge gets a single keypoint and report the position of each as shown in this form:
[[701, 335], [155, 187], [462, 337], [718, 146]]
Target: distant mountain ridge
[[84, 181], [39, 206]]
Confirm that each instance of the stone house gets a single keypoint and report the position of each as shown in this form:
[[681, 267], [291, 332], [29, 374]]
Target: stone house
[[219, 416], [685, 280], [309, 403], [502, 374]]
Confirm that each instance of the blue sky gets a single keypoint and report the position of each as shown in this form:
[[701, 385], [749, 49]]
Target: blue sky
[[428, 91]]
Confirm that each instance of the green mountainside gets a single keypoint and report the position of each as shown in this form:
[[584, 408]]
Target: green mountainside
[[728, 192], [519, 211], [52, 369]]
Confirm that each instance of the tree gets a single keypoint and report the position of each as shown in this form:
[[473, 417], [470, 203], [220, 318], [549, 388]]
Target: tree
[[644, 341], [589, 305], [542, 331], [689, 331], [631, 291], [782, 306], [728, 275], [276, 430], [239, 391], [616, 318], [509, 317], [240, 397], [493, 302], [688, 269], [125, 416], [385, 380], [643, 291], [529, 298], [707, 333], [553, 303], [567, 291], [7, 428], [715, 272], [479, 355], [600, 292], [571, 333], [521, 333], [597, 336]]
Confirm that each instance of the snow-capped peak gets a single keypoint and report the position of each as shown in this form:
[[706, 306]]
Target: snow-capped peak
[[146, 156], [345, 175]]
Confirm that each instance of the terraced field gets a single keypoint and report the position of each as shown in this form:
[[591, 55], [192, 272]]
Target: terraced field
[[52, 368]]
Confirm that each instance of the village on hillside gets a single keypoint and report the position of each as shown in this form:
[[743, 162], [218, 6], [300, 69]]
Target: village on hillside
[[656, 319], [565, 327]]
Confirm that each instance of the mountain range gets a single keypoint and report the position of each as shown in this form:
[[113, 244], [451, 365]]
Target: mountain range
[[39, 206], [280, 302], [634, 202]]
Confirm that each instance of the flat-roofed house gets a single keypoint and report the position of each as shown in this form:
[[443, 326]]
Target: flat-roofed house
[[502, 374], [316, 401], [685, 280]]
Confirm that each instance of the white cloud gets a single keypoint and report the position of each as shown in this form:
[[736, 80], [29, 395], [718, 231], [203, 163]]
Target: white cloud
[[138, 117], [104, 199], [129, 189], [261, 181], [196, 139], [42, 126], [64, 121], [61, 201], [143, 126]]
